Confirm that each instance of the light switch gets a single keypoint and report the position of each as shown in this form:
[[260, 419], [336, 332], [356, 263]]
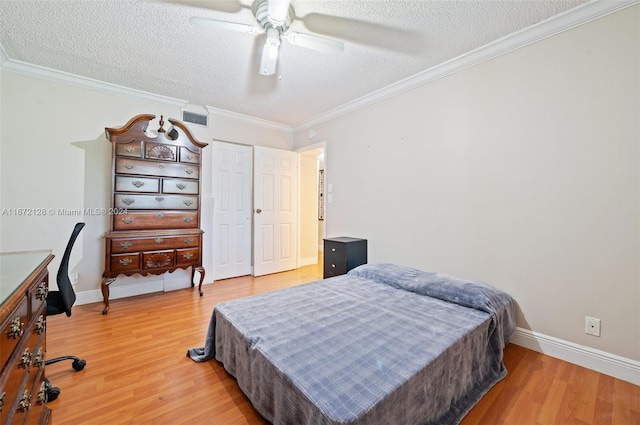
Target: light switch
[[329, 187], [330, 198]]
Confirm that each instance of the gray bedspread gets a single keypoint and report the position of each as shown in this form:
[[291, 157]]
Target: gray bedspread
[[383, 345]]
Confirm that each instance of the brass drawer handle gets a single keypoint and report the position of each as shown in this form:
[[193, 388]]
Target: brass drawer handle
[[25, 360], [126, 244], [187, 202], [159, 240], [138, 184], [42, 393], [128, 165], [25, 402], [16, 329], [41, 325], [41, 293], [159, 199], [125, 261], [127, 220], [190, 157], [188, 170], [188, 255], [188, 219], [39, 360], [129, 149], [188, 241], [159, 214], [128, 201], [181, 186]]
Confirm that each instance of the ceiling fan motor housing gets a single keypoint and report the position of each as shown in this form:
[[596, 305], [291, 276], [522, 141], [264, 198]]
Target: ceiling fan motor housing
[[260, 10]]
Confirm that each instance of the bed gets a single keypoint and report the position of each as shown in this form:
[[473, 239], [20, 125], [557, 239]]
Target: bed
[[383, 344]]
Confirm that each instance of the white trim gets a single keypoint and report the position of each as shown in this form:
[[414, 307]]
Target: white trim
[[129, 290], [552, 26], [76, 80], [600, 361], [246, 119]]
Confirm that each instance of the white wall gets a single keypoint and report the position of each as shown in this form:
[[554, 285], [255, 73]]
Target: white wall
[[522, 171], [54, 155]]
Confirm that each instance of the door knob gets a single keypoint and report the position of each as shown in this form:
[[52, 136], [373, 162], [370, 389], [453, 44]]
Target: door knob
[[258, 211]]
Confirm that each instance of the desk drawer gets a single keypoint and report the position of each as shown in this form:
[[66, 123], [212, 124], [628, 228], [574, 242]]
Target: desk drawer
[[13, 328]]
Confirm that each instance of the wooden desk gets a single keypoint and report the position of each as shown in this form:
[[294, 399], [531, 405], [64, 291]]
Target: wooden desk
[[24, 283]]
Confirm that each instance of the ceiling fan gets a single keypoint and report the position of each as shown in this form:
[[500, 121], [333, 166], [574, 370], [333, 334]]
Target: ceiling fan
[[274, 19]]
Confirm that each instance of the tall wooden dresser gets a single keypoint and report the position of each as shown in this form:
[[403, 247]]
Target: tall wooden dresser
[[155, 202], [24, 283]]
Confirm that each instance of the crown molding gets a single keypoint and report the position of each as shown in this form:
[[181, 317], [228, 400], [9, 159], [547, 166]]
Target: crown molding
[[247, 119], [563, 22], [583, 14], [49, 74]]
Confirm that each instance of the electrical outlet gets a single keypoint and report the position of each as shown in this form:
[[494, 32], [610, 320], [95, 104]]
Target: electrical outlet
[[73, 277], [591, 326]]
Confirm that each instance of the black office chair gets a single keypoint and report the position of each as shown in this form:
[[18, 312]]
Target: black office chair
[[61, 301]]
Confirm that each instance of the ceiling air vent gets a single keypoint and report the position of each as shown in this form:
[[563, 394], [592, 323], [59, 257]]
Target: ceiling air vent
[[193, 118]]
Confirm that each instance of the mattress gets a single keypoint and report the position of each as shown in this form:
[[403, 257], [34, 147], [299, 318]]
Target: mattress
[[384, 344]]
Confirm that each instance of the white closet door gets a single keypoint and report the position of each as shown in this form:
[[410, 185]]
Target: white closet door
[[231, 210]]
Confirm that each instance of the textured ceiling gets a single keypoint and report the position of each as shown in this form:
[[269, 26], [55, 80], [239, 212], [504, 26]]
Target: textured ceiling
[[152, 47]]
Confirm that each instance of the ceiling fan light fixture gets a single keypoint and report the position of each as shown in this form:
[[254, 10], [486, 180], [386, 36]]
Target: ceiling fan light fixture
[[270, 52]]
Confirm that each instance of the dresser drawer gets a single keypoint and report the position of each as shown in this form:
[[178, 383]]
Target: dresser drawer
[[137, 184], [160, 151], [152, 168], [187, 257], [156, 220], [131, 149], [125, 262], [158, 260], [189, 187], [154, 243], [190, 157], [156, 202]]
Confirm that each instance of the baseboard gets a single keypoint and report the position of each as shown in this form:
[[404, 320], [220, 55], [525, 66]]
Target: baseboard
[[307, 261], [132, 289], [600, 361]]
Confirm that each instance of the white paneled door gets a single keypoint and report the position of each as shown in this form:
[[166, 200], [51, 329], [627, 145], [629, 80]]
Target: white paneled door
[[275, 203], [231, 210]]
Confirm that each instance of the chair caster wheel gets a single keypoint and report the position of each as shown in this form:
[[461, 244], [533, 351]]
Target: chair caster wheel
[[78, 365], [51, 392]]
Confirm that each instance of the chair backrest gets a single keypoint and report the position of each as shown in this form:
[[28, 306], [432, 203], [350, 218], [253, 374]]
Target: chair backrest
[[67, 293]]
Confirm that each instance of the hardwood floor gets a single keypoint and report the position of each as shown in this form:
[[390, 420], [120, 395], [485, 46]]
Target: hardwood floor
[[137, 371]]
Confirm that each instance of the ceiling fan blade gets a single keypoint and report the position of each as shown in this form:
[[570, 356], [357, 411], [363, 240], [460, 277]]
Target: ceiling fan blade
[[365, 33], [313, 42], [277, 11], [223, 25]]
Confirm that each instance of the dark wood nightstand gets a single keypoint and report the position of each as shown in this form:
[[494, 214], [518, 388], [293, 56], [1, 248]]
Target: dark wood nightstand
[[342, 254]]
